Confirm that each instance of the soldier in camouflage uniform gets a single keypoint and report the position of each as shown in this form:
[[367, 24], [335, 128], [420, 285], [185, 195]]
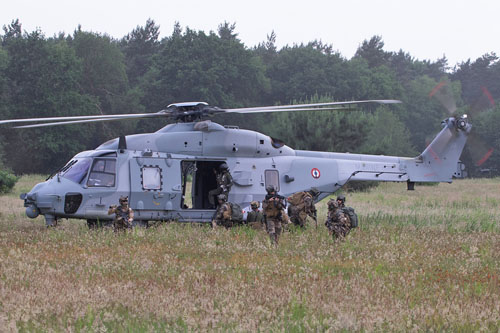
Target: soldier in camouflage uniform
[[255, 219], [273, 207], [124, 215], [223, 213], [337, 222], [224, 183], [302, 205]]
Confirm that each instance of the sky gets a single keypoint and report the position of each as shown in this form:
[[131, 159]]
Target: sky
[[426, 29]]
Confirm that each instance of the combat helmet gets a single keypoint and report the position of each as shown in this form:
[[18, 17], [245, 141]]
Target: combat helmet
[[221, 197], [223, 166], [332, 204], [270, 188], [254, 204], [123, 199], [341, 198]]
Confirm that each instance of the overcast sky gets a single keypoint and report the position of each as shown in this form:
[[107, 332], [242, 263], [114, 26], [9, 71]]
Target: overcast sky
[[427, 29]]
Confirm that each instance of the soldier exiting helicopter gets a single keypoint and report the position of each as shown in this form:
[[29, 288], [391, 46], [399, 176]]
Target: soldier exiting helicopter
[[223, 215], [124, 215], [337, 222], [301, 206], [224, 183], [255, 219], [273, 207]]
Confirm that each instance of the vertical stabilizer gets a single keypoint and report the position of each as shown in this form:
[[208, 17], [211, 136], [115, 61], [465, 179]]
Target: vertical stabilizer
[[440, 158]]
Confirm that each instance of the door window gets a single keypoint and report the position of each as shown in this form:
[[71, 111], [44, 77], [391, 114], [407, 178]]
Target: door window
[[272, 178], [102, 173]]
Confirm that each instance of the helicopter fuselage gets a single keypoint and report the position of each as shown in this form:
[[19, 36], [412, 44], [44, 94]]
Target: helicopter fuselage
[[168, 174]]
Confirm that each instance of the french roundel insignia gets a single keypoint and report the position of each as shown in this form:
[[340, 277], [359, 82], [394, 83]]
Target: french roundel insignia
[[315, 173]]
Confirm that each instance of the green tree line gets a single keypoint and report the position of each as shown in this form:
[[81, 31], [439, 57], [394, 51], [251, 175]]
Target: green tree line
[[88, 73]]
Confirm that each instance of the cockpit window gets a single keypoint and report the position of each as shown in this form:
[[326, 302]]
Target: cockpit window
[[103, 173], [76, 170]]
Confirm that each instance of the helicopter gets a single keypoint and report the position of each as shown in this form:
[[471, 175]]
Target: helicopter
[[168, 174]]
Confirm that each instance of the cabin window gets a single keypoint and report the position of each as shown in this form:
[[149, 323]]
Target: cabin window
[[102, 173], [151, 178], [272, 178]]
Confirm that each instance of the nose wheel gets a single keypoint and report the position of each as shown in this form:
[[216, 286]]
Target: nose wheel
[[50, 221]]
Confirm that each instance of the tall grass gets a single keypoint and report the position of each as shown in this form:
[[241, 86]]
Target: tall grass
[[422, 260]]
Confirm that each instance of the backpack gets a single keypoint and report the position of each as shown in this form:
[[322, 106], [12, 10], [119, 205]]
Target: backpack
[[236, 213], [349, 211], [296, 198]]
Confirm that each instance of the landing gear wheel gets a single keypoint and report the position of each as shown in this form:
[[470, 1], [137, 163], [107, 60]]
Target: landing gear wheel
[[92, 223]]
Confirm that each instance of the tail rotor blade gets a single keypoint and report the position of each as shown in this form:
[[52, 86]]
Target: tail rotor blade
[[443, 94], [478, 150]]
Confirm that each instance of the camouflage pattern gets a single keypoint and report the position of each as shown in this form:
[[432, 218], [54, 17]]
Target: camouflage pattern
[[124, 216], [337, 222], [274, 228], [273, 208], [255, 218], [223, 216], [303, 206], [285, 219], [224, 184]]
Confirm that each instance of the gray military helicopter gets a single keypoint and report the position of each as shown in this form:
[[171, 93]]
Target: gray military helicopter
[[169, 173]]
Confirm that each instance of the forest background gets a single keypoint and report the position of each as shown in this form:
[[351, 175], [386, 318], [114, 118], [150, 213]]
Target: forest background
[[89, 73]]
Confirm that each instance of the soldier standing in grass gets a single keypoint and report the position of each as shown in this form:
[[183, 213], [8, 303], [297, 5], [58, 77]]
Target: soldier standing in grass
[[273, 207], [255, 219], [301, 206], [124, 215], [337, 222], [223, 213]]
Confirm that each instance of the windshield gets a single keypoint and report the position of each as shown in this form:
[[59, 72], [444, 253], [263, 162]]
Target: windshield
[[76, 170]]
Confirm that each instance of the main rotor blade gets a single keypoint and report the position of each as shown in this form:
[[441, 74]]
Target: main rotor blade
[[294, 106], [136, 116], [298, 109], [29, 120]]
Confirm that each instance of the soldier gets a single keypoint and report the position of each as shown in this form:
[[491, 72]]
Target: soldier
[[124, 215], [302, 205], [223, 213], [255, 219], [273, 207], [224, 183], [337, 222]]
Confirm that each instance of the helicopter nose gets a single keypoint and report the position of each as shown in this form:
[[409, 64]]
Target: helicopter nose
[[32, 211]]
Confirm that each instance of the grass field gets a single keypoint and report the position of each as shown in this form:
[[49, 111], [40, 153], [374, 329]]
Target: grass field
[[422, 260]]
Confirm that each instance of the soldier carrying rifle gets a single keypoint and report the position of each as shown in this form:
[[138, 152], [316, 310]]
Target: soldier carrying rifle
[[124, 215], [273, 207]]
